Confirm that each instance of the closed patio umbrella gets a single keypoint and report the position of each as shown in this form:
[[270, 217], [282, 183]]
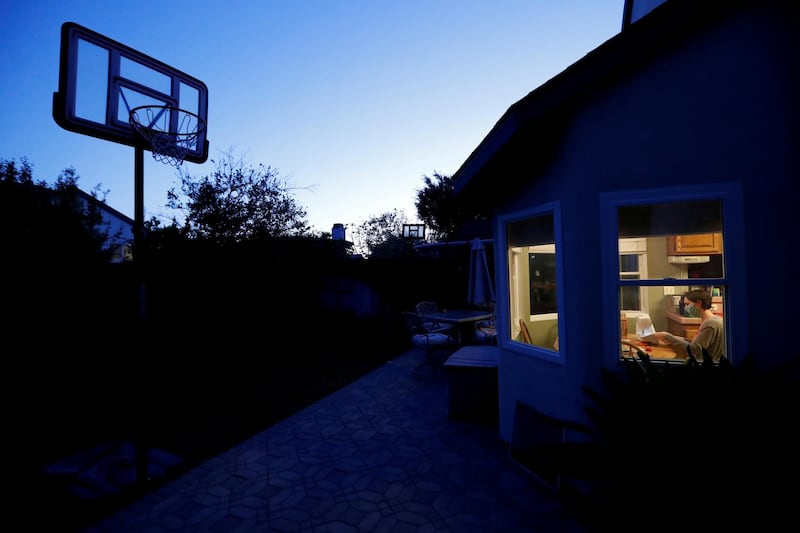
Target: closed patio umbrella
[[481, 287]]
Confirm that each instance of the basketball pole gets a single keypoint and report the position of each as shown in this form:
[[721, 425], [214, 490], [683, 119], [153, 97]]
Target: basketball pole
[[138, 228], [139, 269]]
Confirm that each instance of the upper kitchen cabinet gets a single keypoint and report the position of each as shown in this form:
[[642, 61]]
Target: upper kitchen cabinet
[[694, 244]]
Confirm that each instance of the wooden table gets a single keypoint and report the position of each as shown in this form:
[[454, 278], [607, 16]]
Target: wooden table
[[461, 318], [662, 350]]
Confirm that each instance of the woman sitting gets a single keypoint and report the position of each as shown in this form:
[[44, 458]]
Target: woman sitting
[[711, 335]]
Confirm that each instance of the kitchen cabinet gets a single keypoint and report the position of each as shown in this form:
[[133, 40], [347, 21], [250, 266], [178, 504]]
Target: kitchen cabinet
[[695, 244], [717, 306]]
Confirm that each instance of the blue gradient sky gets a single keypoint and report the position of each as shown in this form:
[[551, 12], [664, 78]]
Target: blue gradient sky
[[352, 101]]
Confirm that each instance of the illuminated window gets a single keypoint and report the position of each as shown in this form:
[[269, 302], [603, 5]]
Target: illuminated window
[[533, 274], [665, 250]]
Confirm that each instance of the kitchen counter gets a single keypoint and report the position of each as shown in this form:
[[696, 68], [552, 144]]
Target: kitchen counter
[[682, 319], [682, 326]]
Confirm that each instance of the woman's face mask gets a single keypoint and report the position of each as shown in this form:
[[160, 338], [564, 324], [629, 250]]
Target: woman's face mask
[[691, 310]]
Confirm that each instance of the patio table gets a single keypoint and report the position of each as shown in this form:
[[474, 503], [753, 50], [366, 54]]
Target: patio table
[[461, 318]]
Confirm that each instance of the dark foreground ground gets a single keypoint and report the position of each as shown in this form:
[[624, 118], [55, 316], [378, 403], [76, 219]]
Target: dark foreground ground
[[73, 435]]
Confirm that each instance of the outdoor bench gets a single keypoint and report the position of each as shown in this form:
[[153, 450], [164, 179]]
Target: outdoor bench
[[472, 379]]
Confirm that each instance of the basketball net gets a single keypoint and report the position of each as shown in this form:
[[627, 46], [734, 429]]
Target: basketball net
[[170, 132]]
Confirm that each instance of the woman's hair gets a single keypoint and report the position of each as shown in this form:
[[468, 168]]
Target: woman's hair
[[700, 294]]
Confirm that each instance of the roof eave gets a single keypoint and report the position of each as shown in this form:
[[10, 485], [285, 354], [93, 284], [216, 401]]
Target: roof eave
[[597, 68]]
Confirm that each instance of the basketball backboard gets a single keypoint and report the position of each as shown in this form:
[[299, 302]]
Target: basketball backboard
[[101, 81], [414, 231]]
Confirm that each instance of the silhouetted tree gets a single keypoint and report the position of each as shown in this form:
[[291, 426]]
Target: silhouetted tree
[[381, 235], [436, 207], [42, 226], [237, 202], [445, 218], [10, 172], [61, 291]]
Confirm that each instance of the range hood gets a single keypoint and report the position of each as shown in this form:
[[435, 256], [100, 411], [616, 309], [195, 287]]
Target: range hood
[[688, 259]]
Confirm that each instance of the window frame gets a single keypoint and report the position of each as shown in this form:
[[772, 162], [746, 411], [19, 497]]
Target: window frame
[[736, 310], [502, 254], [638, 247]]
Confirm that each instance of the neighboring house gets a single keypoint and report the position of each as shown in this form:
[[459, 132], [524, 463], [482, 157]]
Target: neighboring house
[[677, 136], [24, 200], [117, 226]]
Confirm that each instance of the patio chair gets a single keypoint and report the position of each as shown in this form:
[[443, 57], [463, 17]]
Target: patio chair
[[523, 328], [486, 332], [424, 308], [433, 343], [427, 307]]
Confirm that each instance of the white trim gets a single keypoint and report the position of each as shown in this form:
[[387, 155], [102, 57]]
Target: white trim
[[504, 260], [736, 309], [633, 245]]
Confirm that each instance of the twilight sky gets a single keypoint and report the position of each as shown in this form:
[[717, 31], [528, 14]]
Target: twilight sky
[[352, 101]]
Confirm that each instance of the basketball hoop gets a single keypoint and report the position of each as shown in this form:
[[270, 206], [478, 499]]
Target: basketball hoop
[[171, 132]]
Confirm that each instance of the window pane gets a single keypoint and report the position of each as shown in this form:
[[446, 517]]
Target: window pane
[[680, 243], [629, 298], [679, 239], [542, 268], [672, 218], [90, 86], [532, 280], [629, 263]]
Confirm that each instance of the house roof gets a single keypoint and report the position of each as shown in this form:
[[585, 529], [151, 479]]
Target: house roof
[[537, 117], [106, 208]]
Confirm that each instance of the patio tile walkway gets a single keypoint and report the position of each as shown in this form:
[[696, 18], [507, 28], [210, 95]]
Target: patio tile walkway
[[379, 455]]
